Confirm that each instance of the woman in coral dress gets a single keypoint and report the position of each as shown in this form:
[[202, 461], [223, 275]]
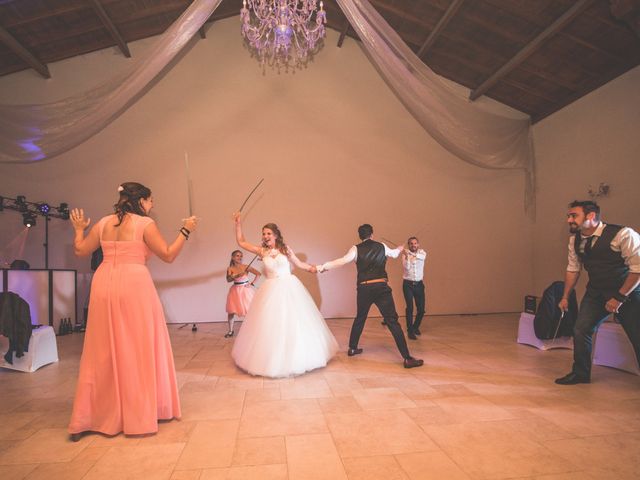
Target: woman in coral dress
[[127, 379], [241, 292], [283, 333]]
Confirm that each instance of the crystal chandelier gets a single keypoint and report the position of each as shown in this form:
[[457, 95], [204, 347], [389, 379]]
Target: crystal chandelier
[[283, 33]]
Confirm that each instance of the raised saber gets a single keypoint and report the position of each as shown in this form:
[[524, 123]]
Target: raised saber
[[189, 192], [249, 196]]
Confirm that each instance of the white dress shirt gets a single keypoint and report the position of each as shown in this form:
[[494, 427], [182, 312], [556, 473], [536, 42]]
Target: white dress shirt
[[352, 255], [626, 241], [413, 265]]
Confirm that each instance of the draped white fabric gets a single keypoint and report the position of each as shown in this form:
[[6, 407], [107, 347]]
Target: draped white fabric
[[465, 129], [37, 132]]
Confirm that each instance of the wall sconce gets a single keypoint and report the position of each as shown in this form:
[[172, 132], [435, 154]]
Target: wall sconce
[[603, 190]]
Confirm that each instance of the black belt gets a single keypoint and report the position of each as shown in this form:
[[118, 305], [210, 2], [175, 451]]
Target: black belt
[[241, 283], [413, 282]]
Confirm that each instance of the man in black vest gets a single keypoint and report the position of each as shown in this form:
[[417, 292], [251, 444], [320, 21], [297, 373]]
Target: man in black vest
[[611, 256], [371, 257]]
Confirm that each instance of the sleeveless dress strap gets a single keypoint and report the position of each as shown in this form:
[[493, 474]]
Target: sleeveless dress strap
[[140, 223]]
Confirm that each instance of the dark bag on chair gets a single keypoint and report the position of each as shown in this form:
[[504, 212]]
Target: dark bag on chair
[[549, 319]]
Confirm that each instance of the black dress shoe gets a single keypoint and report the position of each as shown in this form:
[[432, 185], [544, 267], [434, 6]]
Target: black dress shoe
[[75, 437], [412, 362], [383, 323], [416, 331], [571, 379], [228, 334], [354, 351], [412, 335]]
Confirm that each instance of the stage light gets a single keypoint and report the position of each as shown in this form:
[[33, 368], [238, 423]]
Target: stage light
[[64, 211], [21, 203], [29, 219], [44, 208]]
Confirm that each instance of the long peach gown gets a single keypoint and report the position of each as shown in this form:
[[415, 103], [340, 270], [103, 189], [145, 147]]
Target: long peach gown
[[127, 378]]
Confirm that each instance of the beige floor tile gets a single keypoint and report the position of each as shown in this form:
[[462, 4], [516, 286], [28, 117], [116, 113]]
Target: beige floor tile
[[45, 446], [12, 423], [490, 450], [175, 431], [428, 465], [382, 467], [186, 475], [313, 457], [216, 405], [141, 461], [282, 417], [211, 445], [472, 409], [382, 399], [259, 451], [15, 472], [258, 472], [262, 395], [61, 471], [377, 433], [604, 456], [121, 440], [241, 381], [342, 404], [318, 388]]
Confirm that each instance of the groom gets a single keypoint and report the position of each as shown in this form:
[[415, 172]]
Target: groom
[[371, 257]]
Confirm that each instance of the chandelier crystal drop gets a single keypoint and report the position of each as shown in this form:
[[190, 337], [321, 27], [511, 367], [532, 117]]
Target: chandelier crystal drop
[[283, 33]]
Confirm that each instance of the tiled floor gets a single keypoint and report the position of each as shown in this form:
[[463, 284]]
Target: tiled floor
[[481, 407]]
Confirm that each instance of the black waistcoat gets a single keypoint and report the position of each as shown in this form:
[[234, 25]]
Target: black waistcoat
[[607, 270], [371, 261]]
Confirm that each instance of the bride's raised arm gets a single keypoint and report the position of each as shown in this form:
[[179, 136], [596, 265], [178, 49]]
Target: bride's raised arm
[[299, 263], [240, 237]]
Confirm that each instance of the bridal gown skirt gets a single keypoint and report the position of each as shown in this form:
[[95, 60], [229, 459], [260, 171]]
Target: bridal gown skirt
[[283, 333]]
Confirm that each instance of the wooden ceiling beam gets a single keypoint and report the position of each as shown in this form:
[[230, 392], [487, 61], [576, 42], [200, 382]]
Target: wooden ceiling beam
[[23, 53], [110, 26], [531, 47], [627, 11], [440, 26]]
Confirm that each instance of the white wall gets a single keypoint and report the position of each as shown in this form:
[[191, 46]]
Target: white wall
[[336, 149], [594, 140]]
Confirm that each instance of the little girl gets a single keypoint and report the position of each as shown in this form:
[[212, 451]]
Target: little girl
[[241, 292]]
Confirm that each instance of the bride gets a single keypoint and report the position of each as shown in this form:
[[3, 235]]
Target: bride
[[283, 333]]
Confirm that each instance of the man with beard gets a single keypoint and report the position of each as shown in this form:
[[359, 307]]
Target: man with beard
[[412, 285], [371, 258], [611, 256]]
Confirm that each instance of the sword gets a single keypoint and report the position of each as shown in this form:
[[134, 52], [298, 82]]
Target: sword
[[189, 192], [249, 196], [555, 335]]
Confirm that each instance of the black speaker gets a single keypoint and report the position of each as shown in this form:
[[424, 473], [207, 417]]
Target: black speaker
[[19, 265], [530, 304]]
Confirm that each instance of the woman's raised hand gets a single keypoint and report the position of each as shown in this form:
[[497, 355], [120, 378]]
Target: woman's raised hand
[[77, 219], [190, 223]]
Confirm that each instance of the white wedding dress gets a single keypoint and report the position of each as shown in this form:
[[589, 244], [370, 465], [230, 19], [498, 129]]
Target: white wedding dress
[[283, 333]]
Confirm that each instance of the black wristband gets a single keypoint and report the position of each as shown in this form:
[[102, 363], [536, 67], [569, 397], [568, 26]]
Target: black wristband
[[186, 230], [185, 233], [620, 297]]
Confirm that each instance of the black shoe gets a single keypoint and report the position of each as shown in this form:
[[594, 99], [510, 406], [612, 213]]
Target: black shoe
[[228, 334], [75, 437], [572, 379], [383, 323], [354, 351], [412, 335], [412, 362], [416, 331]]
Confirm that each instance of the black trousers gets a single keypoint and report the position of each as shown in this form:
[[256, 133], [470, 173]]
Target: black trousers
[[413, 291], [591, 314], [380, 295]]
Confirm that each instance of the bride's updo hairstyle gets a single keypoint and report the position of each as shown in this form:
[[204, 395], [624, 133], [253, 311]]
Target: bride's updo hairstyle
[[280, 245], [129, 202]]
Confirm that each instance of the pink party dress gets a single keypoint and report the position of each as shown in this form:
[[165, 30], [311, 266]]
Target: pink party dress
[[127, 378], [240, 296]]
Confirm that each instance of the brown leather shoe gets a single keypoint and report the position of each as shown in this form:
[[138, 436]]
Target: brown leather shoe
[[413, 362]]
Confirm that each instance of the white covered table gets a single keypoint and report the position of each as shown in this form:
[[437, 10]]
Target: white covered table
[[43, 350]]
